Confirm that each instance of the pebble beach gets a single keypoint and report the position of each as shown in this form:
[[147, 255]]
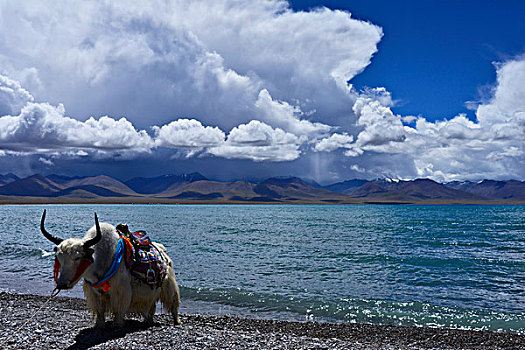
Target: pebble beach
[[65, 323]]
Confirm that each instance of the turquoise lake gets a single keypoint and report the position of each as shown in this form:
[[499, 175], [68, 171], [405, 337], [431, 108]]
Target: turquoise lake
[[436, 266]]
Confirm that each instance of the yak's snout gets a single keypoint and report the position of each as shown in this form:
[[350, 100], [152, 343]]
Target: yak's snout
[[63, 285]]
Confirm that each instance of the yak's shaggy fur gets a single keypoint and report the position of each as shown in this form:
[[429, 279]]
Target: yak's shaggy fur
[[127, 294]]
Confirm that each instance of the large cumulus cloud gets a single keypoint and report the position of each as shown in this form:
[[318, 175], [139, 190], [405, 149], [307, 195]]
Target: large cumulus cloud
[[222, 63], [200, 59]]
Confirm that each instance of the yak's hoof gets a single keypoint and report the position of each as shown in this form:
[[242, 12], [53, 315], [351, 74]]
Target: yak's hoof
[[118, 323]]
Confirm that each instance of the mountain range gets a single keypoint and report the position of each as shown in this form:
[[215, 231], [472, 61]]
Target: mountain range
[[195, 188]]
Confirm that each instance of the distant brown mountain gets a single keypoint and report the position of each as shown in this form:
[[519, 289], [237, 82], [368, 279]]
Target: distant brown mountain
[[87, 191], [81, 187], [508, 190], [102, 181], [62, 180], [207, 187], [426, 190], [34, 186], [372, 191], [346, 186], [273, 190], [291, 189], [165, 183], [196, 188]]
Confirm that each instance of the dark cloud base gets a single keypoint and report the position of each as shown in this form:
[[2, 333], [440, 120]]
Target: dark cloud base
[[318, 167]]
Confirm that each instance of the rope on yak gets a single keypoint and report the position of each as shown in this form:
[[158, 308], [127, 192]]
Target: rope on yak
[[54, 293]]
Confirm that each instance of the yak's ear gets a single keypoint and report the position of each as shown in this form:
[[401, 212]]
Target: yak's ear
[[89, 253]]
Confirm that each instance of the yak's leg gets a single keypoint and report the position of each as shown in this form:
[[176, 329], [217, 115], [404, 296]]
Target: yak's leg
[[175, 306], [97, 303], [120, 295], [120, 300], [170, 296], [118, 315], [148, 317], [100, 312]]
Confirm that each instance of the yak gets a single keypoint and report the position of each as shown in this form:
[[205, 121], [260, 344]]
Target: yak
[[91, 257]]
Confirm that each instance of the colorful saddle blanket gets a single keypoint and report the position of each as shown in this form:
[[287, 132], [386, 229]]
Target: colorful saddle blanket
[[141, 239], [143, 259]]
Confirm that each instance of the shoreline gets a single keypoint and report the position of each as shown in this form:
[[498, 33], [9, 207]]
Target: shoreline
[[65, 323], [164, 201]]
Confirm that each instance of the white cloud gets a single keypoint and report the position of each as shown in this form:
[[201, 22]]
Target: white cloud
[[186, 133], [335, 141], [381, 126], [259, 142], [287, 117], [46, 161], [308, 56], [507, 104], [42, 128], [12, 96]]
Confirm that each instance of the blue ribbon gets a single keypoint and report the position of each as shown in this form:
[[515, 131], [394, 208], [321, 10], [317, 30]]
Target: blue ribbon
[[119, 253]]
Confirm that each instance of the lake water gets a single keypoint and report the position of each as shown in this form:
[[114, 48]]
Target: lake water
[[437, 266]]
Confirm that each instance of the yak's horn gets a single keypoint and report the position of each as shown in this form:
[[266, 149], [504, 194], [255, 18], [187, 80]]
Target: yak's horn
[[54, 239], [95, 239]]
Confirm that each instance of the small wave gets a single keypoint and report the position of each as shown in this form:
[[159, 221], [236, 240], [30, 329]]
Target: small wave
[[24, 251], [362, 311], [45, 253]]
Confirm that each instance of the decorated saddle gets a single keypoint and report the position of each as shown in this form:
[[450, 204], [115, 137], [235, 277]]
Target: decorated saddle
[[143, 258]]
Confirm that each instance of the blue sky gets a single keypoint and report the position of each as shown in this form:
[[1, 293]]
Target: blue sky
[[437, 55], [326, 90]]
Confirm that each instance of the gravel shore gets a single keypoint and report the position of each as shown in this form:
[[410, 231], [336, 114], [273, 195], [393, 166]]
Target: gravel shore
[[65, 323]]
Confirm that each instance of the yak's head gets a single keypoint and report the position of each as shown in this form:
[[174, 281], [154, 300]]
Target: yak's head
[[72, 256]]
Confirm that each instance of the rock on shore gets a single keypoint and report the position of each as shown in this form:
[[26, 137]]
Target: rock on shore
[[65, 323]]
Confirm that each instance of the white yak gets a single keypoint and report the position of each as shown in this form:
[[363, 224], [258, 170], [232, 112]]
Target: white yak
[[91, 257]]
